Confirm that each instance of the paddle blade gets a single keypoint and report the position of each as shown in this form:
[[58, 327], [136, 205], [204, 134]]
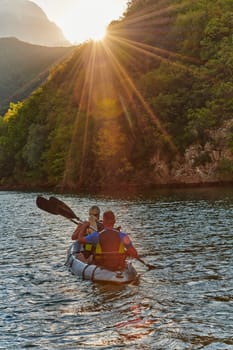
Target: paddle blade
[[62, 208], [46, 205]]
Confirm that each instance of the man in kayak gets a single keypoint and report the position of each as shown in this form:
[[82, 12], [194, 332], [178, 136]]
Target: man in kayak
[[111, 245], [86, 250]]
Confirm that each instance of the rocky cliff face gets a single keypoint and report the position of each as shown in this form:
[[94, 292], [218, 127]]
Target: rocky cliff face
[[26, 21], [211, 162]]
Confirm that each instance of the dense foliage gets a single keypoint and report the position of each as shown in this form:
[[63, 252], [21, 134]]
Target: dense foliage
[[160, 81]]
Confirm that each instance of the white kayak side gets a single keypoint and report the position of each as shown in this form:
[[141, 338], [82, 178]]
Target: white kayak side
[[99, 274]]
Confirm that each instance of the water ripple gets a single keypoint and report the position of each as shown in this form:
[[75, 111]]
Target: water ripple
[[185, 303]]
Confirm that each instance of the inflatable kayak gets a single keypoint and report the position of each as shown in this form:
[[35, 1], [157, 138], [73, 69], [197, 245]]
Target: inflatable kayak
[[96, 273]]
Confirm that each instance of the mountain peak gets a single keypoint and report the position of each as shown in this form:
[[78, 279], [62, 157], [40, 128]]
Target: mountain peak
[[26, 21], [25, 7]]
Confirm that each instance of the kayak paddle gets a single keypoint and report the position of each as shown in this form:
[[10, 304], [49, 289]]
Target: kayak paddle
[[54, 207], [46, 205], [63, 208]]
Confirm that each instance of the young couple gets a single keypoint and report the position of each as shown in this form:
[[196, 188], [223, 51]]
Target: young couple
[[103, 244]]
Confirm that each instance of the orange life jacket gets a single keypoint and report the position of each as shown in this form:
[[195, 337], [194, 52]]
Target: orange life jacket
[[110, 252]]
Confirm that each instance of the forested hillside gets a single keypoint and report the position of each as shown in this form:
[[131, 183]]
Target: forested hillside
[[151, 105]]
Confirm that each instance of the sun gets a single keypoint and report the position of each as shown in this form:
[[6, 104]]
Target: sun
[[88, 19], [81, 25]]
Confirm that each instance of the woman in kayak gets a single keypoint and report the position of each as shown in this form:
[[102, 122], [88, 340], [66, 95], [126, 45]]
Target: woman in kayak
[[94, 222], [86, 250], [111, 245]]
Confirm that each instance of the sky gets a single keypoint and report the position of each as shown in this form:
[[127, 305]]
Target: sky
[[81, 20]]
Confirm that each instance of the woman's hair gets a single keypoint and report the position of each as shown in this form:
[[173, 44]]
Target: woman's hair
[[94, 210]]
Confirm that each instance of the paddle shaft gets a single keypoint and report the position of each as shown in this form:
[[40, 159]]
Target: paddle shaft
[[150, 267]]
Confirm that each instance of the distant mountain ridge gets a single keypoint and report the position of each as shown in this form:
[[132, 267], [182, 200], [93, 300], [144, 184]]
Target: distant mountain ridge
[[26, 21]]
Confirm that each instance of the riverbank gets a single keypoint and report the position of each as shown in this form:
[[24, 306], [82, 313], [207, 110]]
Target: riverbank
[[119, 190]]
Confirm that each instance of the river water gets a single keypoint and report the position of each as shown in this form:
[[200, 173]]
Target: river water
[[185, 303]]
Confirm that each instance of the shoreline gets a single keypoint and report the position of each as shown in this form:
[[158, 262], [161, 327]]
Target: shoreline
[[122, 189]]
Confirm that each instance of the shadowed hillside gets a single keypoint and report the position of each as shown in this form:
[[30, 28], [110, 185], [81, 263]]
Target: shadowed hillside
[[23, 67]]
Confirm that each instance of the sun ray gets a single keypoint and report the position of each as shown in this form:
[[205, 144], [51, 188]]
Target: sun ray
[[90, 78], [130, 86], [155, 52], [84, 106]]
